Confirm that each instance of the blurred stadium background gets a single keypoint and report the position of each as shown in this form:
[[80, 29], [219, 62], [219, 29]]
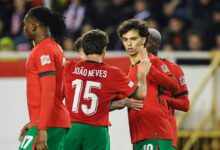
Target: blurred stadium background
[[191, 37]]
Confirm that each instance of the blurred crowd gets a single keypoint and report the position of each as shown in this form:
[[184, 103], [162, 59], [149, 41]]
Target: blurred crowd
[[185, 25]]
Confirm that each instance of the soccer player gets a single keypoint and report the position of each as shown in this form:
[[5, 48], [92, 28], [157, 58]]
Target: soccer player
[[90, 86], [127, 102], [150, 128], [178, 100], [49, 119]]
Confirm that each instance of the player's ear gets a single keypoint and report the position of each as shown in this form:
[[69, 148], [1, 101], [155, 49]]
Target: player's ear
[[34, 27], [104, 51], [143, 40]]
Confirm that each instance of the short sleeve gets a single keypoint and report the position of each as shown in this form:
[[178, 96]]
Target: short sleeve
[[122, 84]]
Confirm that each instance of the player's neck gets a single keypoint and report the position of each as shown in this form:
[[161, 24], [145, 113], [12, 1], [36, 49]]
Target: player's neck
[[95, 57], [134, 59], [40, 37]]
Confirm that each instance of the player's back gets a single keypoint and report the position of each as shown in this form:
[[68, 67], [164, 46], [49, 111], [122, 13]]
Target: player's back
[[46, 58], [90, 86]]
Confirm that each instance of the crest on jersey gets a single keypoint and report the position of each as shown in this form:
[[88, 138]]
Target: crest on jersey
[[45, 59], [182, 80], [164, 68], [131, 84]]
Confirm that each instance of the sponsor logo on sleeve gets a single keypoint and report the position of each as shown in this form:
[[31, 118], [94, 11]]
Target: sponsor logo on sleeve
[[182, 80], [45, 59], [165, 68], [130, 84]]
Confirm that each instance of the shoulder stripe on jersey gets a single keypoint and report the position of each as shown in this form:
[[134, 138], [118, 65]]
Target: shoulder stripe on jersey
[[181, 94], [160, 92], [47, 73], [134, 93]]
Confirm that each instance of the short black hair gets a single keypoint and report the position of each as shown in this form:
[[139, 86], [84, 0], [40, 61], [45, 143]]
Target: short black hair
[[154, 41], [53, 20], [133, 24], [78, 44], [94, 41]]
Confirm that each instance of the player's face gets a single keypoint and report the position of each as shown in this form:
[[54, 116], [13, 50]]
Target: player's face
[[28, 27], [152, 45], [131, 41]]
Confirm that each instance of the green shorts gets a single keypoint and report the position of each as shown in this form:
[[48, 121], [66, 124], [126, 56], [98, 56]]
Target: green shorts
[[55, 138], [153, 144], [173, 148], [87, 137]]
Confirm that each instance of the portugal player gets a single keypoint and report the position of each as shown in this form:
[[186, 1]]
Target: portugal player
[[49, 118], [90, 85], [178, 100], [129, 102], [150, 127]]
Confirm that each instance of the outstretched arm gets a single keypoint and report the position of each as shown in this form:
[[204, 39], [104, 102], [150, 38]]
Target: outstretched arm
[[130, 103]]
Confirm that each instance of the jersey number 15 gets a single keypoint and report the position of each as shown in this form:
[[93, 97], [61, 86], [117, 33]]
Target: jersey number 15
[[78, 84]]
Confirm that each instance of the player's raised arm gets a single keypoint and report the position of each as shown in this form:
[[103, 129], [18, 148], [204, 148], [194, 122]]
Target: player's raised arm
[[143, 54], [143, 70]]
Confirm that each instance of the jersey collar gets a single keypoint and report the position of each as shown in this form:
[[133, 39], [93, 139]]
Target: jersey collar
[[132, 65], [93, 61]]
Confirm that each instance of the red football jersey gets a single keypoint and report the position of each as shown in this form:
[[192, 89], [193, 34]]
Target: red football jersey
[[89, 89], [152, 122], [46, 58], [178, 100]]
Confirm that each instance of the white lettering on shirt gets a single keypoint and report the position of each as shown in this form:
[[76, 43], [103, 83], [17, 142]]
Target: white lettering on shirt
[[90, 73]]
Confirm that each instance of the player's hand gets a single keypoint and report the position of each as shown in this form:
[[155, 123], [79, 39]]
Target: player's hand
[[118, 104], [134, 104], [23, 131], [143, 54], [41, 140], [144, 68]]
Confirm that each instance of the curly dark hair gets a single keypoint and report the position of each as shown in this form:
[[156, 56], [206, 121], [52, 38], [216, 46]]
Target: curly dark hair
[[53, 20], [133, 24]]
